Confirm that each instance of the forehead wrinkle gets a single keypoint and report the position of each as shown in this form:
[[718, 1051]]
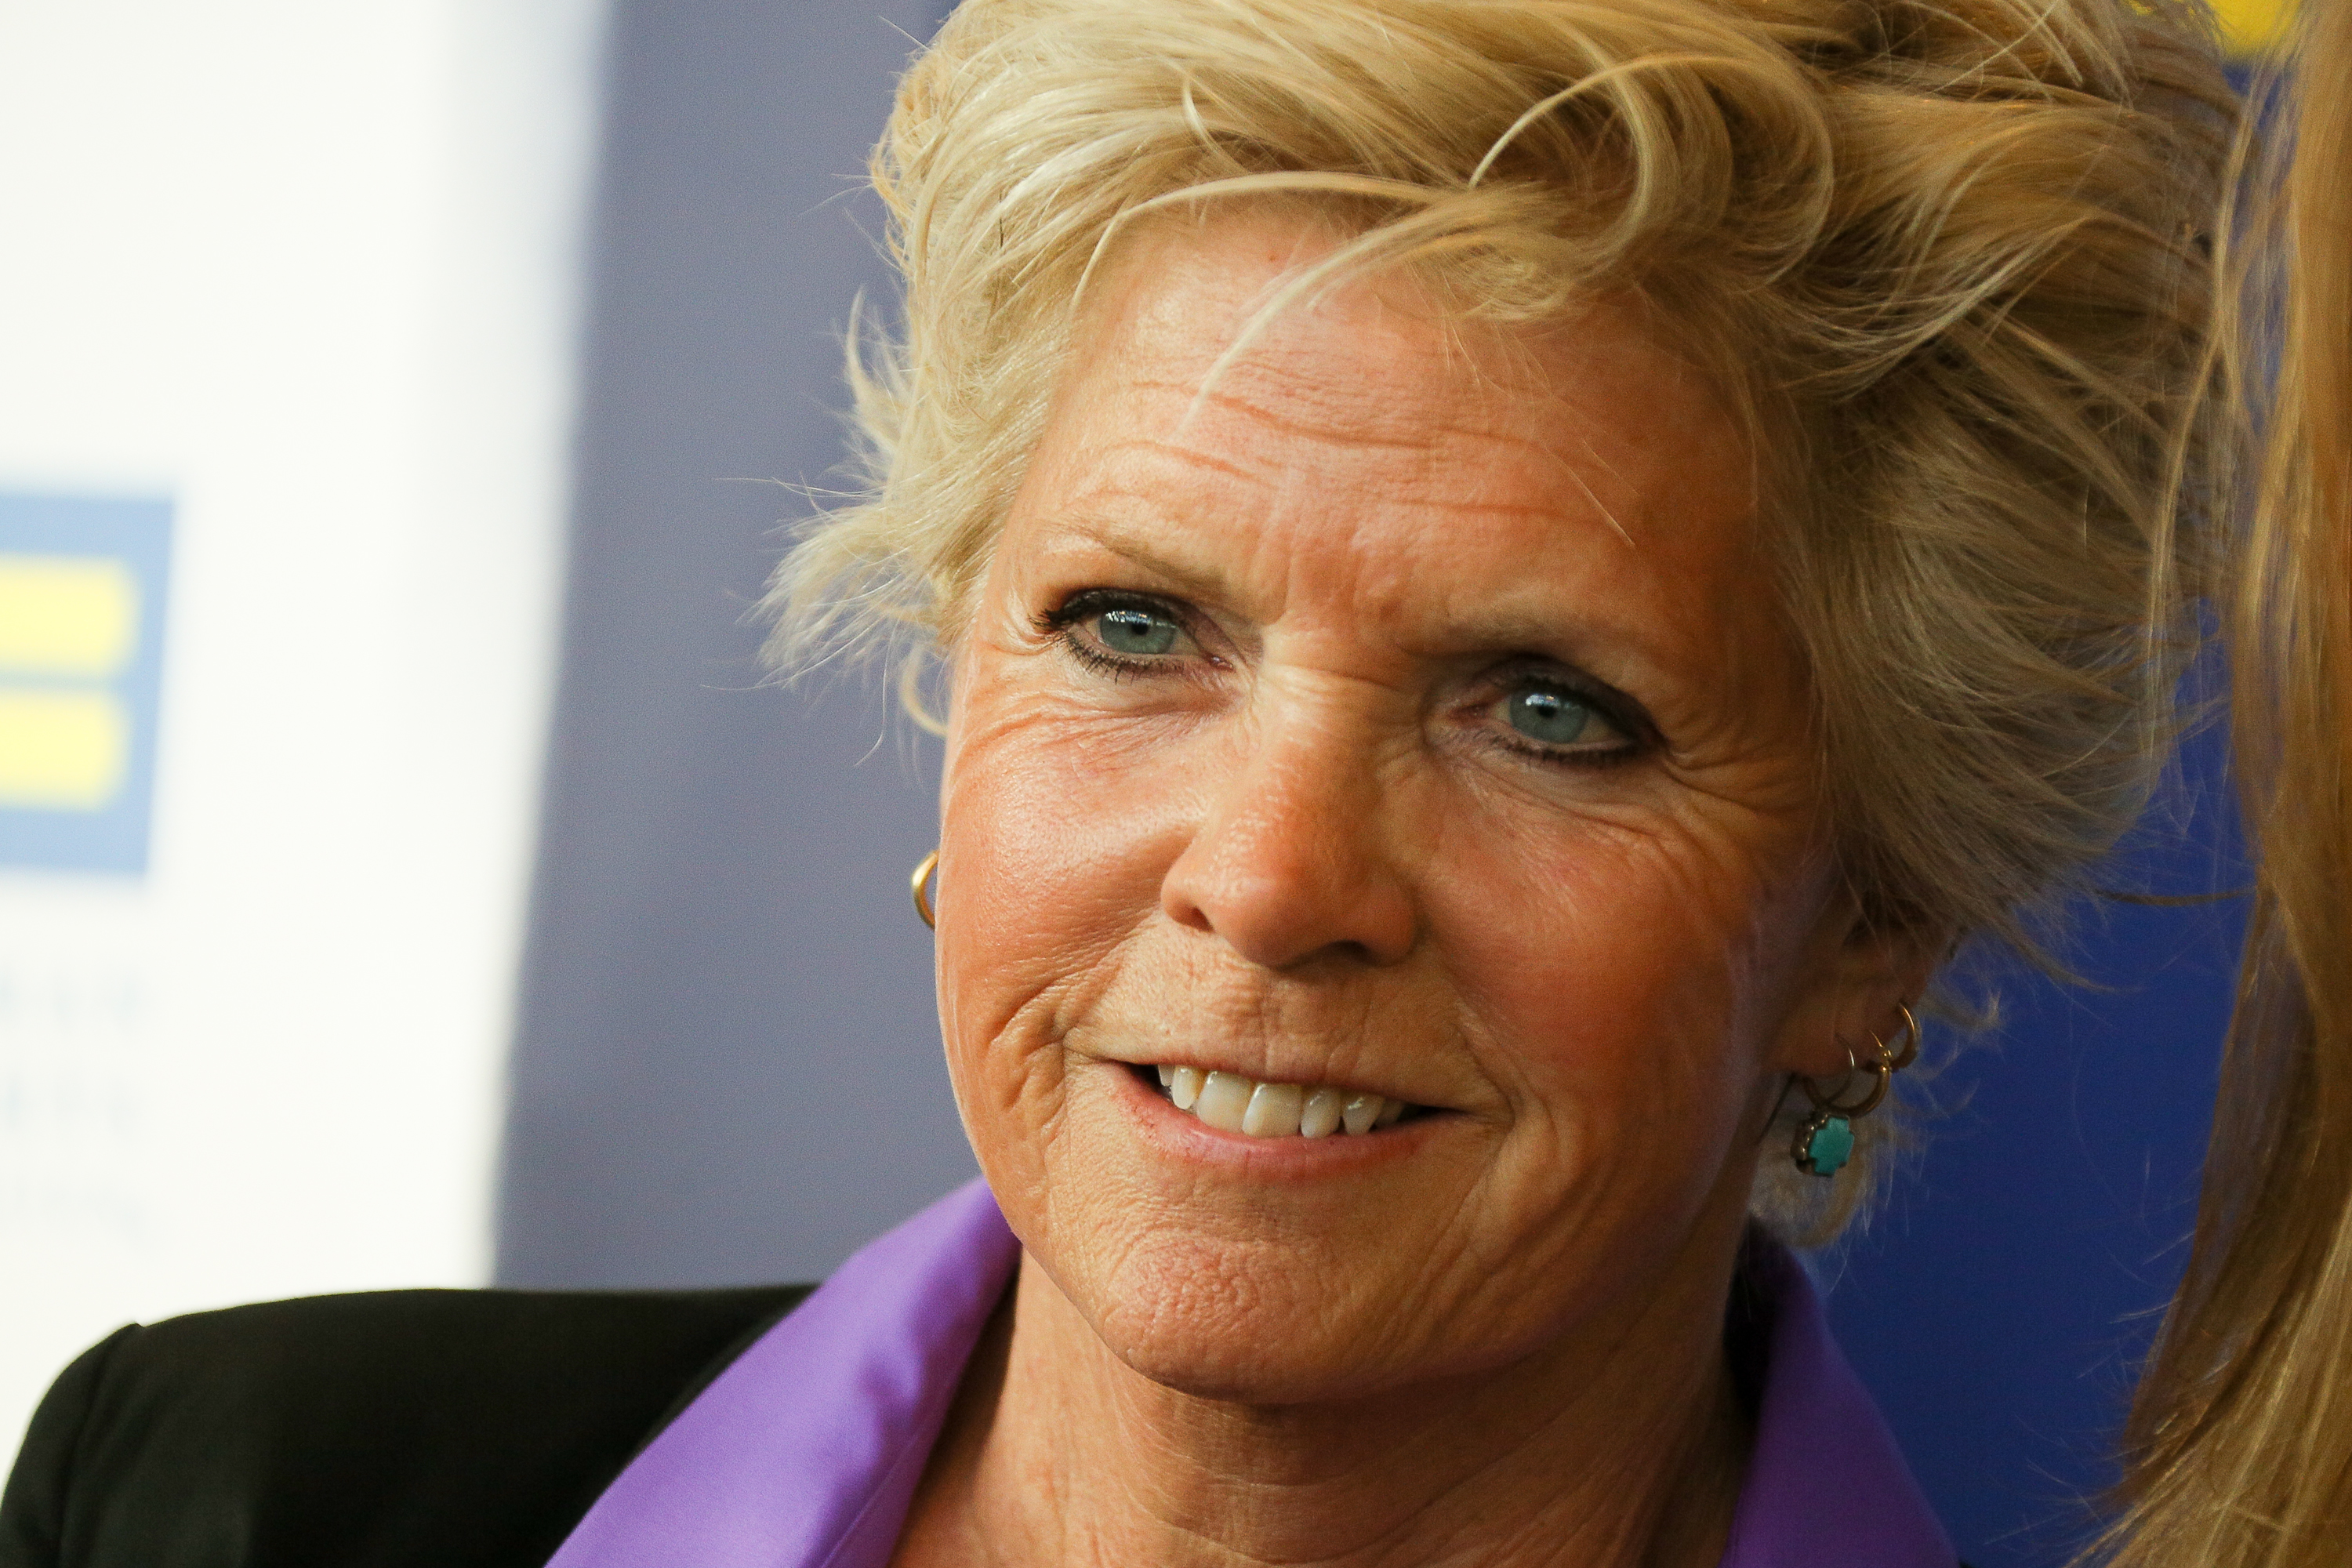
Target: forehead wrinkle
[[1429, 444], [1356, 421], [1101, 488], [1344, 426], [1300, 398], [1161, 447]]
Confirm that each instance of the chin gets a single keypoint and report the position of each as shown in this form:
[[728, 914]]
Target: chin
[[1263, 1368], [1270, 1323]]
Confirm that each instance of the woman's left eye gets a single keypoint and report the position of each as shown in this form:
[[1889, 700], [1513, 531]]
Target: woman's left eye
[[1552, 718]]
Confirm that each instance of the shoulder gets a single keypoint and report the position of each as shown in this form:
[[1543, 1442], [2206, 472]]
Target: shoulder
[[453, 1426]]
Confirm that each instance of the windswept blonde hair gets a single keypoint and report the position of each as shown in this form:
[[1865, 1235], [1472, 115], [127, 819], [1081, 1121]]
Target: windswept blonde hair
[[1946, 257], [2240, 1446]]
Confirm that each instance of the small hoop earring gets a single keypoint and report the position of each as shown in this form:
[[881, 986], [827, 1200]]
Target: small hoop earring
[[1910, 1037], [1825, 1139], [922, 877]]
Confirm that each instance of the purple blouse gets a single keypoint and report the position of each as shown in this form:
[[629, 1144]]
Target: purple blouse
[[804, 1452]]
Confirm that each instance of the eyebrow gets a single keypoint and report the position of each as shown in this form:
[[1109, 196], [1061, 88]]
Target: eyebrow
[[1127, 542]]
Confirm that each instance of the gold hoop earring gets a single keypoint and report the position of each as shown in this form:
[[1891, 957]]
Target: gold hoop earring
[[930, 863], [1825, 1139], [1910, 1037]]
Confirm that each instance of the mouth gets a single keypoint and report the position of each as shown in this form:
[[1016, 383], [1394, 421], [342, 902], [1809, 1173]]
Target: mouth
[[1235, 1103]]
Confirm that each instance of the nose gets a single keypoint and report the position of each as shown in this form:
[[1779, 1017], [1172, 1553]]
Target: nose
[[1292, 860]]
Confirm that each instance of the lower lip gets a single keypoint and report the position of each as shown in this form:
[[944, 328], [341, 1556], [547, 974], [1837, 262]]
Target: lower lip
[[1181, 1135]]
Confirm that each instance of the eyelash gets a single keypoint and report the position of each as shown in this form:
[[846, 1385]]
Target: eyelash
[[1060, 623], [1639, 739]]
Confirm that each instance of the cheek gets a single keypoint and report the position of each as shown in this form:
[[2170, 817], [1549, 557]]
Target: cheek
[[1050, 857], [1055, 849], [1618, 981]]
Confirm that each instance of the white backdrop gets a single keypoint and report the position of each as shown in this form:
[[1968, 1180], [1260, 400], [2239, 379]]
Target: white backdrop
[[308, 272]]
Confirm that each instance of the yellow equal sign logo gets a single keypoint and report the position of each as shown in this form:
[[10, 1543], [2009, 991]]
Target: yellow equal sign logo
[[69, 626], [2255, 26]]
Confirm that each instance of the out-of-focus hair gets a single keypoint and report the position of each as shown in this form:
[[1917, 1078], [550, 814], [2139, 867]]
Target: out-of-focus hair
[[1948, 260], [2240, 1446]]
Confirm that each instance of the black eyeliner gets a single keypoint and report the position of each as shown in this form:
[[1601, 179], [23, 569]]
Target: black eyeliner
[[1094, 601], [1621, 710], [1057, 623]]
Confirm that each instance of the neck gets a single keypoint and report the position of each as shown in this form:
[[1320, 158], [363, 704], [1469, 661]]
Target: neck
[[1621, 1445]]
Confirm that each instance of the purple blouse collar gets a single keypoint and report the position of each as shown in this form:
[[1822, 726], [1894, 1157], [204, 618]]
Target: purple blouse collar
[[804, 1452]]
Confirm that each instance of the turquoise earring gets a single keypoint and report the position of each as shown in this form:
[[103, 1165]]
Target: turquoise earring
[[1825, 1143], [1825, 1139]]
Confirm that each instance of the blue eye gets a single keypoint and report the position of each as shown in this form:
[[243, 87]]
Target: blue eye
[[1138, 632], [1553, 718]]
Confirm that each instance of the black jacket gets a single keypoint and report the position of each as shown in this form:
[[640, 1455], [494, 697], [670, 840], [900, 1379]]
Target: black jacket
[[433, 1428]]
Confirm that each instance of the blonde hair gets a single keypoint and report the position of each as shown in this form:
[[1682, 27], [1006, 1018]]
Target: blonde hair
[[1946, 257], [2240, 1444]]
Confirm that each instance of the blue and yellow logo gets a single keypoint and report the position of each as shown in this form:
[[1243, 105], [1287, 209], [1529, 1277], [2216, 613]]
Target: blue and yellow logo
[[82, 602]]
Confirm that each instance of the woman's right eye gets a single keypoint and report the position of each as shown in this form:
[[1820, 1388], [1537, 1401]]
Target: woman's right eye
[[1118, 632], [1136, 632]]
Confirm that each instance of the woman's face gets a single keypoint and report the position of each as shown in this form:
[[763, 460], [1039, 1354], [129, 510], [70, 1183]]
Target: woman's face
[[1408, 718]]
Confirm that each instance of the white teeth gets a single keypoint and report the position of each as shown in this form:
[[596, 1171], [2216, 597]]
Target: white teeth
[[1233, 1102], [1224, 1101], [1320, 1118], [1274, 1111]]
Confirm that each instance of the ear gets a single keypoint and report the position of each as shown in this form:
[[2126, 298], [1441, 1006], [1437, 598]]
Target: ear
[[1855, 982]]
